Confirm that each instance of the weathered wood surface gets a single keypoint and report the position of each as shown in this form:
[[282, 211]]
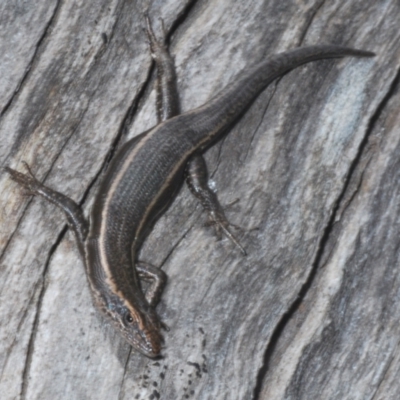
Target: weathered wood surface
[[312, 312]]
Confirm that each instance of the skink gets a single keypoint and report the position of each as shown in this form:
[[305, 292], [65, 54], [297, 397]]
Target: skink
[[142, 180]]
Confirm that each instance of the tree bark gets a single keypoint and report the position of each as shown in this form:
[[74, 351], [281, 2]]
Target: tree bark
[[312, 312]]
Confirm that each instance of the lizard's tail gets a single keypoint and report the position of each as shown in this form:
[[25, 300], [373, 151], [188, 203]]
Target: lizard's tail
[[210, 121]]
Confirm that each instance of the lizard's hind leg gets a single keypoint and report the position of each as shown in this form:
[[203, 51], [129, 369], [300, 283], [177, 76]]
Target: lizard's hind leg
[[168, 107]]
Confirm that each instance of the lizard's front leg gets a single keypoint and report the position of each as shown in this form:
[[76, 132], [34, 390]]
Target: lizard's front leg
[[73, 211]]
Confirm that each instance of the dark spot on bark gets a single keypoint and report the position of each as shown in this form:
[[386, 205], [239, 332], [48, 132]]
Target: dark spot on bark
[[196, 365], [156, 394]]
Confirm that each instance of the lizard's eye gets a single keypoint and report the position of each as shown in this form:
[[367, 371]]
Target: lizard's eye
[[128, 318]]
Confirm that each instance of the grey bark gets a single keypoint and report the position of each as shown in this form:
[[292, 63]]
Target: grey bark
[[312, 312]]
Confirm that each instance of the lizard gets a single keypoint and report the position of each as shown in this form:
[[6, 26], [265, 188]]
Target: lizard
[[143, 178]]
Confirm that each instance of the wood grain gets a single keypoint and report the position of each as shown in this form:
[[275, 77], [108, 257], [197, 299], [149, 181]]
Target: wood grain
[[312, 311]]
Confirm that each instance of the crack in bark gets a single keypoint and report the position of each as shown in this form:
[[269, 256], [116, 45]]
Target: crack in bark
[[120, 394], [309, 22], [287, 316], [219, 147], [127, 121], [9, 239], [35, 324], [392, 359], [386, 369], [221, 142], [266, 107], [181, 17], [9, 349], [107, 38], [178, 242], [33, 60]]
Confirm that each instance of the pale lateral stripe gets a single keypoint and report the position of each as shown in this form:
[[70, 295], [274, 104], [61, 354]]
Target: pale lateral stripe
[[117, 180]]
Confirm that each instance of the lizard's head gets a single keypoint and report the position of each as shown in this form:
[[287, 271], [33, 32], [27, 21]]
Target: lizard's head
[[140, 327], [140, 330]]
